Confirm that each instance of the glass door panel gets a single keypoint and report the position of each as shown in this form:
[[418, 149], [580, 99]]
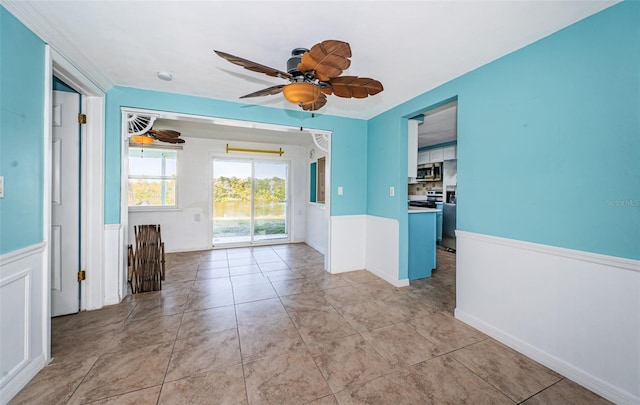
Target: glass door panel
[[270, 201], [232, 200], [250, 201]]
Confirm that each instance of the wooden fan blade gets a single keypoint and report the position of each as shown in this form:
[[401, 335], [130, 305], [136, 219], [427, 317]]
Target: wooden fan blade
[[253, 66], [316, 105], [328, 59], [171, 140], [164, 133], [354, 87], [266, 92]]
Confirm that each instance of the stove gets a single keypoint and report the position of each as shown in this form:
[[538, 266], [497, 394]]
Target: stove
[[430, 200], [423, 204]]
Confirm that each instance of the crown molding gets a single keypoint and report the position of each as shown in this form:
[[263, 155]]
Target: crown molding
[[41, 25]]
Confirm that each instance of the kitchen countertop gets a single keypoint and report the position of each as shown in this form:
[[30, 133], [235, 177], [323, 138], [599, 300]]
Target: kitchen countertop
[[417, 210]]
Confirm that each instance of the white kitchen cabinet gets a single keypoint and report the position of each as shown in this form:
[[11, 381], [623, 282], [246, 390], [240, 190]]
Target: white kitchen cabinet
[[412, 149], [436, 155], [449, 153], [423, 157]]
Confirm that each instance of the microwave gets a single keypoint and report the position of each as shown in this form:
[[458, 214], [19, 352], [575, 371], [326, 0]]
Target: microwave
[[429, 172]]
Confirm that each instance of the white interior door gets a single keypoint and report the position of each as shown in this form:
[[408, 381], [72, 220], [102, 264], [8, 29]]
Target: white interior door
[[65, 204]]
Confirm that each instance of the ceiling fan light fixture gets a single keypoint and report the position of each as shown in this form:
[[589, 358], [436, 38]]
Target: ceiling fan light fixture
[[301, 93], [142, 139]]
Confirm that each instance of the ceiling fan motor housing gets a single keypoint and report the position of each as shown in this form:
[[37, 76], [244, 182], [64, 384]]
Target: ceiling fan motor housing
[[294, 60]]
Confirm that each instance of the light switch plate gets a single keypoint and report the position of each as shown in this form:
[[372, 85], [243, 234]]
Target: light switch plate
[[392, 191], [340, 190], [1, 186]]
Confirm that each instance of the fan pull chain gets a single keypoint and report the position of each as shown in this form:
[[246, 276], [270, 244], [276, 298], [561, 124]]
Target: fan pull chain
[[301, 119], [313, 115]]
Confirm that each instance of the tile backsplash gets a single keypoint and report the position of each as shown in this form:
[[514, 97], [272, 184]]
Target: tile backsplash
[[422, 188]]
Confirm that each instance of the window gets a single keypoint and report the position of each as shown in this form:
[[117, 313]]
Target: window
[[152, 177]]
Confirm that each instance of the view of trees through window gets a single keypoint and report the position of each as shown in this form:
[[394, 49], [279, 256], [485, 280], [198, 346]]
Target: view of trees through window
[[236, 192], [151, 192], [237, 189], [152, 177]]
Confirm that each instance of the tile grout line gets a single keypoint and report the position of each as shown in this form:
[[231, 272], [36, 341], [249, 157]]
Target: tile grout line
[[173, 345], [480, 377], [306, 345], [235, 313], [544, 389], [83, 379]]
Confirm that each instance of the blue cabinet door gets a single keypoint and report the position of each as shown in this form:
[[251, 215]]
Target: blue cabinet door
[[422, 244]]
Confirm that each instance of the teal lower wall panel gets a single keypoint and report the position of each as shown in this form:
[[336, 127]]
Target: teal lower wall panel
[[422, 244]]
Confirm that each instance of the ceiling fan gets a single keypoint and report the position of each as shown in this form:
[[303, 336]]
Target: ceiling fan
[[313, 74], [162, 135]]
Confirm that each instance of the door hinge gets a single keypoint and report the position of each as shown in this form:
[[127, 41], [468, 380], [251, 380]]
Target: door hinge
[[81, 275], [82, 118]]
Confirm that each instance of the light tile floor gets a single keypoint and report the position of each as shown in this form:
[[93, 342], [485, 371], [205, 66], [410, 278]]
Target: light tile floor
[[267, 325]]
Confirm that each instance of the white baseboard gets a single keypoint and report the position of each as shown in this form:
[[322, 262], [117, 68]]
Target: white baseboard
[[575, 312], [558, 365], [315, 246], [21, 379], [392, 281]]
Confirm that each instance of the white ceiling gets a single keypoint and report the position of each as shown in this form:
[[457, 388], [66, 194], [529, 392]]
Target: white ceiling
[[440, 125], [201, 129], [410, 46]]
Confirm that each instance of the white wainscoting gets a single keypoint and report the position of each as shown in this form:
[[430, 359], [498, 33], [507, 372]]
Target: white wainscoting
[[366, 242], [578, 313], [114, 257], [316, 227], [24, 319], [347, 243], [382, 249]]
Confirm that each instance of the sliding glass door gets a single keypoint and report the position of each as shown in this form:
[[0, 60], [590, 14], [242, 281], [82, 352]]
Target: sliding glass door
[[270, 207], [250, 201]]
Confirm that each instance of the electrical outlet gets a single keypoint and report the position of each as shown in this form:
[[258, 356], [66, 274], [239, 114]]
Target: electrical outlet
[[340, 190], [196, 217], [392, 191], [1, 186]]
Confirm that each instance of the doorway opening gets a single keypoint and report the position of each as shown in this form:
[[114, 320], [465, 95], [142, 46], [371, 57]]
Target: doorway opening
[[198, 221], [436, 186], [250, 201]]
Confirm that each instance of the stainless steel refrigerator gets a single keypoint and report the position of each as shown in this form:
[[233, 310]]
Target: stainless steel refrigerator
[[449, 226]]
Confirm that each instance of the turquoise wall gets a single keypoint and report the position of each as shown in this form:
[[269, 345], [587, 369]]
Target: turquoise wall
[[22, 62], [548, 141], [348, 142]]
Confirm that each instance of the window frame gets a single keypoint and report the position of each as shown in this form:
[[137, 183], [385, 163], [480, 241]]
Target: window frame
[[164, 177]]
